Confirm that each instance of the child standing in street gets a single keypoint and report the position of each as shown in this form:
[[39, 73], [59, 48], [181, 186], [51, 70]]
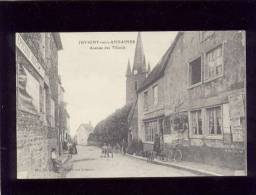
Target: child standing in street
[[110, 150], [104, 150]]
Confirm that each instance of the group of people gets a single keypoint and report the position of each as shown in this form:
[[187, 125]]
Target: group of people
[[107, 150], [70, 147]]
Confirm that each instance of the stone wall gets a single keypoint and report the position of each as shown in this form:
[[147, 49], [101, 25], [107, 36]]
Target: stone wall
[[32, 148]]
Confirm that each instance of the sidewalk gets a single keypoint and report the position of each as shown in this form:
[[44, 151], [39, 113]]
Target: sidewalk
[[198, 168]]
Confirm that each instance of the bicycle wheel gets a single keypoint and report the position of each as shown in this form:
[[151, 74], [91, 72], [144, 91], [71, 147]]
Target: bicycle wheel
[[170, 155], [177, 155]]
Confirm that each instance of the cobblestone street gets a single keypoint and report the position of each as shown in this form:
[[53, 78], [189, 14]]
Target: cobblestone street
[[88, 164]]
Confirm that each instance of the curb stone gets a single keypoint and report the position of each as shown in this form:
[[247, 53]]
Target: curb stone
[[201, 172]]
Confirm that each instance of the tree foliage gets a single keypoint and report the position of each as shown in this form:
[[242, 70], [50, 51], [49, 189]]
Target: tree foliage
[[113, 129]]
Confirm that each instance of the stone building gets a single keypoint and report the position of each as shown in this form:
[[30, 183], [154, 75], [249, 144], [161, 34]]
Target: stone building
[[82, 133], [135, 76], [37, 102], [200, 99]]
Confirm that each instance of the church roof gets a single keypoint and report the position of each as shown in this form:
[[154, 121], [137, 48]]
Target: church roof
[[139, 56], [158, 70]]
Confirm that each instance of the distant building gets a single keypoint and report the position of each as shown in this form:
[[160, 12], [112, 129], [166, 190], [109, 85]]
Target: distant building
[[37, 101], [82, 133]]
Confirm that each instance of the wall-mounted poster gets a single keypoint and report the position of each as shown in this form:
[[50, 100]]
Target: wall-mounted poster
[[237, 114], [180, 121]]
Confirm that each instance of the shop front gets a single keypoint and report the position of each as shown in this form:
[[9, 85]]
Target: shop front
[[153, 127]]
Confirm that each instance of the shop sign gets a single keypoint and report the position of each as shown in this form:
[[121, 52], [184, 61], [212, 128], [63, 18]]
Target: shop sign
[[237, 135], [236, 103], [237, 113], [23, 47]]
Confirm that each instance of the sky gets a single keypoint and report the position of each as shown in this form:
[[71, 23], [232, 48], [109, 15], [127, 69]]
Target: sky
[[93, 71]]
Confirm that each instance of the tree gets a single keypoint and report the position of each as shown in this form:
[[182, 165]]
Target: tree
[[113, 129]]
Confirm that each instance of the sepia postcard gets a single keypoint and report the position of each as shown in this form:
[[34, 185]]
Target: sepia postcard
[[131, 104]]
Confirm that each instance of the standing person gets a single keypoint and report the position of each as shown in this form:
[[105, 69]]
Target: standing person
[[107, 150], [118, 148], [124, 146], [74, 148], [70, 148], [110, 150], [156, 147], [104, 149], [55, 162]]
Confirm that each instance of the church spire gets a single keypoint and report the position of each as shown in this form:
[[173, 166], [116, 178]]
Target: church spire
[[128, 71], [149, 69], [139, 57]]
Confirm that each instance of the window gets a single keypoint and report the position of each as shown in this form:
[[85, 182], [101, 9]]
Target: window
[[145, 100], [155, 94], [214, 120], [214, 63], [33, 89], [150, 130], [196, 122], [135, 85], [195, 71]]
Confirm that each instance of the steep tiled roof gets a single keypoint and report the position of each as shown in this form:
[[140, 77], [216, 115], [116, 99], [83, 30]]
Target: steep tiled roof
[[57, 40], [158, 70]]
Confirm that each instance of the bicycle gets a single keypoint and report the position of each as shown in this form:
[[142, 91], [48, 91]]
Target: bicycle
[[172, 153], [150, 155], [175, 153]]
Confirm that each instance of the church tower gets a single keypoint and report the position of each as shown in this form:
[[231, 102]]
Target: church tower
[[136, 75]]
